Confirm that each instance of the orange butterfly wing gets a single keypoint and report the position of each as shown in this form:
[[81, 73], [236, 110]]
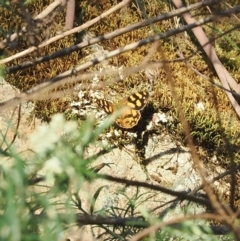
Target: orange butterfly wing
[[130, 116]]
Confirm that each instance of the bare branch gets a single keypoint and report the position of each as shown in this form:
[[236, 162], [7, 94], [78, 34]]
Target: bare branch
[[62, 35], [224, 76], [126, 48], [42, 15], [70, 14], [174, 223]]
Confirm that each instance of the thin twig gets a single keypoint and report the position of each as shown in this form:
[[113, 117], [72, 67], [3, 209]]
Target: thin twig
[[224, 76], [173, 222], [202, 38], [98, 39], [61, 79], [181, 195], [16, 129], [42, 15], [116, 52], [62, 35]]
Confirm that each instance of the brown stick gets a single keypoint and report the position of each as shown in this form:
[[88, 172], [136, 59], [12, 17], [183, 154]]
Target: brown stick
[[224, 76], [70, 15]]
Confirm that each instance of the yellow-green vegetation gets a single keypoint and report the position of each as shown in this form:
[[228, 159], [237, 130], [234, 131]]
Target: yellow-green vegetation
[[211, 127], [30, 77]]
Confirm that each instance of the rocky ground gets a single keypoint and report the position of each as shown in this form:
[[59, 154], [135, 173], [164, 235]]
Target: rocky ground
[[168, 165]]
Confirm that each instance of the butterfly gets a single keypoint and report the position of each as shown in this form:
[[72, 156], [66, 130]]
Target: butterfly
[[131, 113]]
